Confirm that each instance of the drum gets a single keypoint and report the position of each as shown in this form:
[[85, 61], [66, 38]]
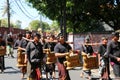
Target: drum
[[72, 61], [51, 58], [2, 52], [20, 58], [89, 62]]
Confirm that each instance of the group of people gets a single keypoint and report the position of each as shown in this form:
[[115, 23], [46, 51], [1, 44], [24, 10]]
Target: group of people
[[6, 47], [30, 50], [108, 54], [31, 57]]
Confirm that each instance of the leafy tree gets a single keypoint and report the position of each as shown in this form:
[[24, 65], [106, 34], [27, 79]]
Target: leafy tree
[[81, 15], [54, 26], [35, 24], [4, 23], [6, 9], [45, 26], [18, 24]]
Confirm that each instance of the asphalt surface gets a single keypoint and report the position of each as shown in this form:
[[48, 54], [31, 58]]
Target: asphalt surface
[[12, 72]]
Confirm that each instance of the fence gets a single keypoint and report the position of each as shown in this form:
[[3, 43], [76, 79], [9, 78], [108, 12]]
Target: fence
[[95, 37], [13, 30]]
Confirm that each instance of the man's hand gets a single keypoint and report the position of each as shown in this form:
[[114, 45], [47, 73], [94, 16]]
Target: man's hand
[[99, 63], [25, 61], [118, 59], [66, 54]]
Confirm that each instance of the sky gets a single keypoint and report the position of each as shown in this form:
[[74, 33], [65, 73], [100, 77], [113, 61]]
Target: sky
[[21, 11]]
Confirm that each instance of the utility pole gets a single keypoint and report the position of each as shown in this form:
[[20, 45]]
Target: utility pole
[[64, 20], [0, 23], [41, 26], [8, 14]]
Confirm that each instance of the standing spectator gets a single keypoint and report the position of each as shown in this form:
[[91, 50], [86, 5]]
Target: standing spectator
[[113, 51], [61, 50], [34, 56], [103, 61], [22, 54], [5, 36], [10, 43], [2, 46]]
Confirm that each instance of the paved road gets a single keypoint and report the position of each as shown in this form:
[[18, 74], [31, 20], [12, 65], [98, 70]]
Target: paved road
[[13, 73]]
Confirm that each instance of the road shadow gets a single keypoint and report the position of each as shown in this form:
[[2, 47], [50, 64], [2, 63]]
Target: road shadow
[[95, 79], [14, 57], [11, 70], [80, 68], [49, 79]]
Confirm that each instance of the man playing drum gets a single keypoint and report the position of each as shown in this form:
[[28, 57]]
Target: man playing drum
[[50, 44], [88, 51], [103, 61], [113, 52], [2, 47], [34, 52], [61, 50], [22, 55]]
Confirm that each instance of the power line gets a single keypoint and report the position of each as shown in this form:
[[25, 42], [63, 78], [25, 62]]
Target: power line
[[26, 10], [15, 10], [22, 10], [8, 13]]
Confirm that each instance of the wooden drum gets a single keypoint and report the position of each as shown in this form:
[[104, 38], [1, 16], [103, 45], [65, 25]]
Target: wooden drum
[[89, 62], [72, 61], [20, 59], [51, 58], [2, 52]]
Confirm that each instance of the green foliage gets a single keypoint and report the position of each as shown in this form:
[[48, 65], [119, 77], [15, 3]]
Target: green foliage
[[35, 24], [55, 26], [4, 23], [18, 24], [81, 15], [45, 26]]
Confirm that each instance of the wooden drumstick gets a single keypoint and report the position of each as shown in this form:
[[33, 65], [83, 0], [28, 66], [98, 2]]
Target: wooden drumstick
[[92, 44]]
